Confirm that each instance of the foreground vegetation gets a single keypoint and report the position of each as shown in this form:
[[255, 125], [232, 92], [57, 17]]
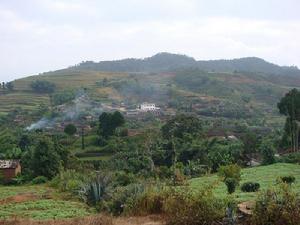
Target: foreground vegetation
[[38, 202], [266, 176]]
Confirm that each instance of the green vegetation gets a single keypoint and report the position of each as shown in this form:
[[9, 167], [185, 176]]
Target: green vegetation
[[44, 209], [214, 125], [38, 202], [42, 86], [265, 175], [277, 207]]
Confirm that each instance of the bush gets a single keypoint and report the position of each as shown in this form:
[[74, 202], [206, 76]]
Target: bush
[[277, 207], [69, 180], [150, 202], [190, 208], [39, 180], [250, 187], [288, 179], [123, 179], [123, 199], [231, 171], [231, 184]]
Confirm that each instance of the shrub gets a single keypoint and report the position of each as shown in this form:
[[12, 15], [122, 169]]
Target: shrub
[[124, 198], [69, 180], [122, 178], [231, 171], [39, 180], [150, 201], [277, 207], [288, 179], [190, 208], [250, 187], [231, 184]]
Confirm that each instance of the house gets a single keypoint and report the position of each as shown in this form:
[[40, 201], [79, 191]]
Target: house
[[9, 169], [149, 107]]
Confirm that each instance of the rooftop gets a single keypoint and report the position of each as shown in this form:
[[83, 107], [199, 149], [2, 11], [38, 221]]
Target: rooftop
[[9, 164]]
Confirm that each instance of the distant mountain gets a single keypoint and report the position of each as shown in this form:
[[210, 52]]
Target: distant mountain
[[157, 63], [166, 62]]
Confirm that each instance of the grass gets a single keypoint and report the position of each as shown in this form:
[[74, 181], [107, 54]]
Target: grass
[[10, 191], [47, 205], [96, 158], [265, 175], [44, 209]]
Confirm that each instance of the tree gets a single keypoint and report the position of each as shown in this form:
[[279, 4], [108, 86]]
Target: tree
[[289, 106], [108, 122], [250, 145], [267, 150], [70, 129], [232, 171], [42, 86], [24, 142], [45, 160], [180, 125], [117, 119]]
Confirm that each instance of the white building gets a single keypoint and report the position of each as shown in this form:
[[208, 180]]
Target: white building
[[148, 107]]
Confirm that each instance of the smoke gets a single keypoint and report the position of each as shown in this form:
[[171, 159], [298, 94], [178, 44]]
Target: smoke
[[74, 111], [44, 122]]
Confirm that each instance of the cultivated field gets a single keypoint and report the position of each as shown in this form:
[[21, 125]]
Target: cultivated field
[[38, 202]]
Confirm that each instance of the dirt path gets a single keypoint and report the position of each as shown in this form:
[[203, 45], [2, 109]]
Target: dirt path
[[147, 220], [93, 220]]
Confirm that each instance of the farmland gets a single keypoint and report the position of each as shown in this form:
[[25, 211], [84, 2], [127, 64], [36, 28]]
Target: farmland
[[38, 202]]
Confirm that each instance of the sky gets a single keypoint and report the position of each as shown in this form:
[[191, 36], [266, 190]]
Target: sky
[[43, 35]]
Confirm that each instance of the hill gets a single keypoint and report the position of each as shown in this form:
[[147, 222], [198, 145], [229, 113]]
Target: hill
[[163, 62], [247, 88]]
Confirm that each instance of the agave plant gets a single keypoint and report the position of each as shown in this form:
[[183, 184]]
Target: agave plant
[[95, 190]]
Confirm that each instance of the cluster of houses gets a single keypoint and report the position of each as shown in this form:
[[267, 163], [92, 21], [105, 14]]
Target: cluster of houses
[[9, 169]]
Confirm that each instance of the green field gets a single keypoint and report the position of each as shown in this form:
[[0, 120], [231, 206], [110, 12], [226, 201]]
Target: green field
[[265, 175], [38, 202]]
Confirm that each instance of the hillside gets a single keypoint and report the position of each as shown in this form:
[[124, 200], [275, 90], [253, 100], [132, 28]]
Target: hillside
[[247, 88], [265, 175]]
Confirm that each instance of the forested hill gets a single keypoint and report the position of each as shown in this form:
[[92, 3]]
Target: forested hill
[[163, 62]]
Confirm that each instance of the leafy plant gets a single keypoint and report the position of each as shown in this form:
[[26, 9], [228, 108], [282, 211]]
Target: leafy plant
[[250, 187], [277, 207], [39, 180], [288, 179], [231, 171], [231, 184]]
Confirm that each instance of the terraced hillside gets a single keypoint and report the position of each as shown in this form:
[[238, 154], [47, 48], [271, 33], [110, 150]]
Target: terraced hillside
[[221, 91]]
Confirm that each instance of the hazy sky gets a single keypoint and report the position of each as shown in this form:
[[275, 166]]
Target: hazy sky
[[42, 35]]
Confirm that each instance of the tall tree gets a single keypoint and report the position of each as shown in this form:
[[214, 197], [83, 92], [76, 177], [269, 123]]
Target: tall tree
[[108, 122], [45, 160], [289, 106]]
